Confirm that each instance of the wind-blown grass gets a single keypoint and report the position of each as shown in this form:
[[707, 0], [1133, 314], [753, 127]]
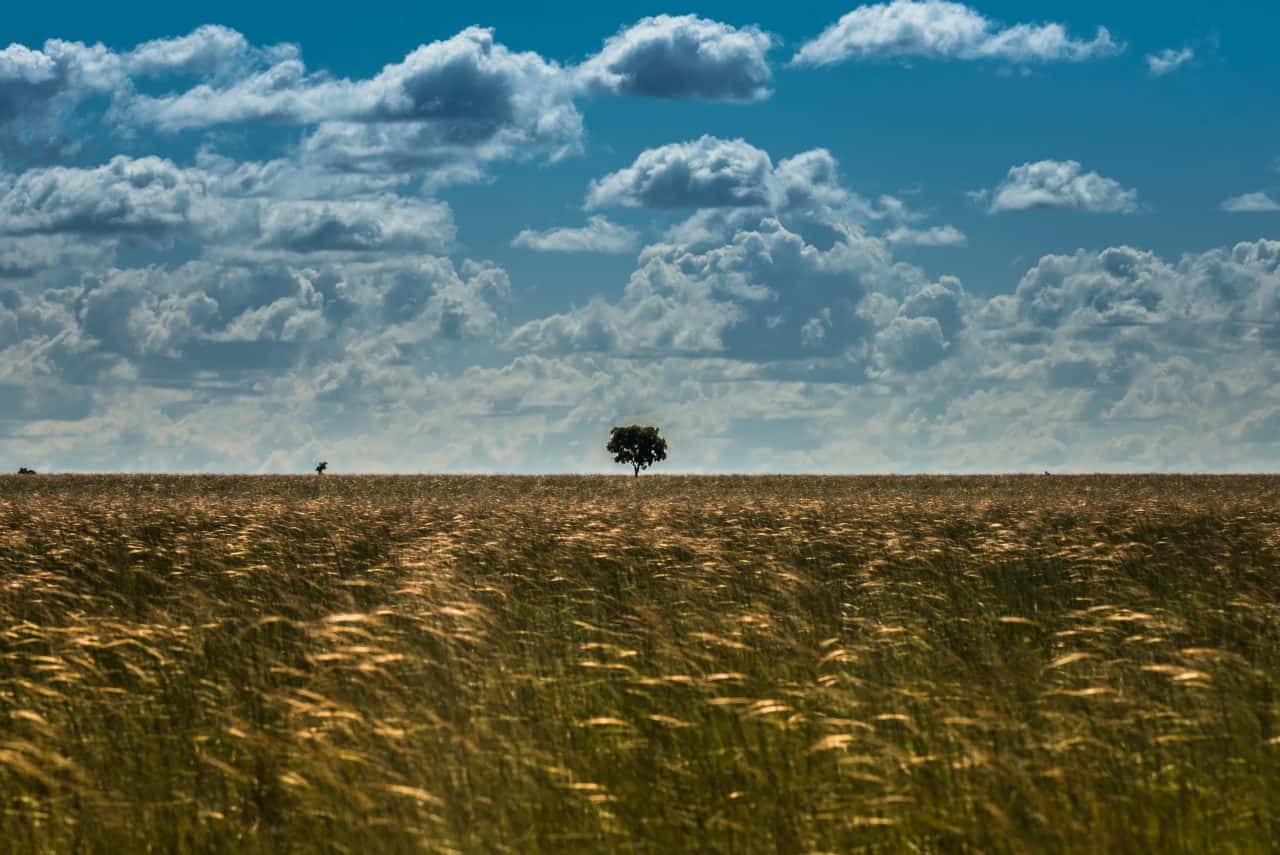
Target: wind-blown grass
[[716, 664]]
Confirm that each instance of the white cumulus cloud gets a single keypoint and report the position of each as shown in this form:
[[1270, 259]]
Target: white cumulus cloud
[[710, 172], [41, 89], [1060, 184], [682, 57], [144, 195], [932, 236], [705, 173], [1251, 203], [939, 30], [599, 235], [386, 224], [469, 79], [465, 99]]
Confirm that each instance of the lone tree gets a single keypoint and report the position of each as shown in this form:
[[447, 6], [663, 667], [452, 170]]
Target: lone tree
[[637, 445], [321, 466]]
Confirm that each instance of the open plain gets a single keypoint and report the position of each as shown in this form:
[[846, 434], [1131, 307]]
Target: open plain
[[734, 664]]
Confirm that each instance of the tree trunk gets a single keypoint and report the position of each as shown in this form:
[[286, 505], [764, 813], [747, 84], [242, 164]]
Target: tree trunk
[[637, 468]]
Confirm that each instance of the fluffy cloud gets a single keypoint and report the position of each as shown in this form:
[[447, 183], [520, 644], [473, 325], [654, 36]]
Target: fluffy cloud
[[643, 322], [1117, 287], [295, 178], [910, 344], [764, 294], [454, 103], [387, 224], [467, 98], [441, 153], [447, 108], [599, 235], [682, 57], [42, 89], [932, 236], [20, 64], [130, 312], [710, 173], [810, 182], [740, 279], [152, 197], [1102, 343], [1124, 305], [1251, 203], [209, 51], [198, 320], [147, 195], [24, 257], [730, 184], [469, 79], [934, 29], [705, 173], [1168, 60], [1060, 184]]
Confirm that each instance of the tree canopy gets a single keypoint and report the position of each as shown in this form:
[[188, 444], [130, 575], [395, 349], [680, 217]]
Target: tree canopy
[[639, 446]]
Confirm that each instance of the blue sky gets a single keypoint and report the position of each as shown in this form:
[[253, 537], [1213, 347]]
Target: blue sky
[[904, 236]]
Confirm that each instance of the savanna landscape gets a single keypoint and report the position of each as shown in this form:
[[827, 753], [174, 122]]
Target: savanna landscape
[[612, 664]]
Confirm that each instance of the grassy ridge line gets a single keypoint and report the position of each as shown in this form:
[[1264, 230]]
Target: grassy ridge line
[[577, 663]]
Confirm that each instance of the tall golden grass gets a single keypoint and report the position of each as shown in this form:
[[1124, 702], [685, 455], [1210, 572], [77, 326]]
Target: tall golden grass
[[1008, 664]]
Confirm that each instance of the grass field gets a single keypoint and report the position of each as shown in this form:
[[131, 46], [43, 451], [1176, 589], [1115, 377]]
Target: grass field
[[1013, 664]]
